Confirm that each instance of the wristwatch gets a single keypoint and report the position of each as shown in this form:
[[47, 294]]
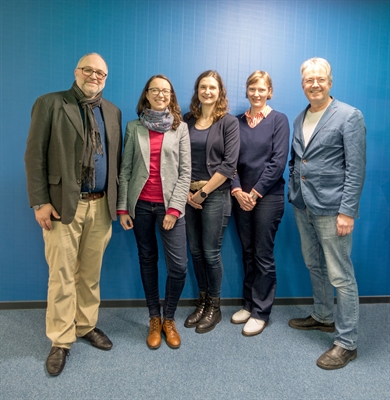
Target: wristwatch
[[37, 207], [203, 194]]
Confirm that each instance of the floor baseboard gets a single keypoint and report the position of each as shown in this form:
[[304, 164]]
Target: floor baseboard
[[282, 301]]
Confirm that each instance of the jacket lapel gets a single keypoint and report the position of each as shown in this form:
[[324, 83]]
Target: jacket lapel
[[331, 110], [72, 110], [144, 144]]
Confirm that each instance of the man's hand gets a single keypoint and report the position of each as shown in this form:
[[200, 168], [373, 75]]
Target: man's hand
[[43, 216], [344, 224]]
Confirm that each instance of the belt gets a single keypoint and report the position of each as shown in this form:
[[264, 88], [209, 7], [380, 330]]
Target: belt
[[197, 185], [91, 196]]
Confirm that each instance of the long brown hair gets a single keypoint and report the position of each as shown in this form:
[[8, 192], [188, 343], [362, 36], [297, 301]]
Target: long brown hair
[[173, 105], [221, 106]]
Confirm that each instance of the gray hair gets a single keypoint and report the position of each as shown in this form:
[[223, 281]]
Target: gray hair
[[91, 54], [319, 63]]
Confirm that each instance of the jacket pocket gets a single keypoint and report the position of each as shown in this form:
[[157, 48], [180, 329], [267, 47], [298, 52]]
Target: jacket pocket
[[54, 179]]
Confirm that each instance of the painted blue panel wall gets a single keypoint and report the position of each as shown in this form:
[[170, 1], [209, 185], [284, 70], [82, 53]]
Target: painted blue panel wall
[[42, 40]]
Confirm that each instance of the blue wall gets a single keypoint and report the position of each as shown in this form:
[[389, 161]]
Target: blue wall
[[42, 40]]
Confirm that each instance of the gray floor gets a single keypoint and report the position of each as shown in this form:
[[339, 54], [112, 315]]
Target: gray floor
[[222, 364]]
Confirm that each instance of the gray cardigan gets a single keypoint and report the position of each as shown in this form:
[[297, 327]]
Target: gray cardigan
[[175, 167]]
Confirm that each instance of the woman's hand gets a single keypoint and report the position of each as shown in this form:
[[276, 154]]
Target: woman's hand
[[197, 198], [169, 221], [245, 200], [191, 202], [126, 221]]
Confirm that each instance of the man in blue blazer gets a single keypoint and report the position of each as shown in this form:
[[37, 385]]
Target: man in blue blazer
[[327, 171], [72, 161]]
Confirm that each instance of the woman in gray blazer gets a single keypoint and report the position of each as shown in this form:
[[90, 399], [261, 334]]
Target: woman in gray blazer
[[153, 185], [215, 145]]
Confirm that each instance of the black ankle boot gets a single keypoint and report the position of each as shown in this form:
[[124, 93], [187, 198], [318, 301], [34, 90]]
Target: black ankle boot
[[193, 319], [211, 315]]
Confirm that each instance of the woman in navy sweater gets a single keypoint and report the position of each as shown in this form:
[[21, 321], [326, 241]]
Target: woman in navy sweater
[[258, 191]]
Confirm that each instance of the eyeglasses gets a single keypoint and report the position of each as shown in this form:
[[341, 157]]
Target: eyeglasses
[[310, 81], [88, 71], [156, 92]]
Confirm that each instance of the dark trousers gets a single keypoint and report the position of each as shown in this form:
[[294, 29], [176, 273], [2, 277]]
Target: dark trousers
[[174, 241], [205, 229], [257, 230]]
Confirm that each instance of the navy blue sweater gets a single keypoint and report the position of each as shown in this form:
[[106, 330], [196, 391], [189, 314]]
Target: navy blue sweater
[[263, 154]]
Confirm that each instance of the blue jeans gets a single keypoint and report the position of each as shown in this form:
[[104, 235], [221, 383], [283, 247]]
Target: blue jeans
[[328, 258], [205, 229], [174, 242], [257, 230]]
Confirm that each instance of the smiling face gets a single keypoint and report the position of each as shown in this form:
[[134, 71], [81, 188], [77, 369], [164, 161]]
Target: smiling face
[[160, 101], [257, 94], [91, 85], [208, 91], [316, 85]]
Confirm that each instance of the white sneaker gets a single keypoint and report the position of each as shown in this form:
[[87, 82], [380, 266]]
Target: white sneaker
[[254, 327], [240, 317]]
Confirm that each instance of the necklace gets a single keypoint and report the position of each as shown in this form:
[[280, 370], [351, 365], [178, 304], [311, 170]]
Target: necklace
[[208, 123]]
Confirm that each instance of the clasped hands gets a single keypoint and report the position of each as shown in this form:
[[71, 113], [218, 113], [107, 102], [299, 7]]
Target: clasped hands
[[245, 200]]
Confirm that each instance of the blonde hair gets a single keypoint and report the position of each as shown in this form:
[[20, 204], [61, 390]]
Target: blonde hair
[[255, 76]]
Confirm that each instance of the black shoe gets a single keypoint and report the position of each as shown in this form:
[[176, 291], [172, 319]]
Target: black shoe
[[211, 316], [336, 357], [98, 339], [56, 359], [193, 319], [309, 323]]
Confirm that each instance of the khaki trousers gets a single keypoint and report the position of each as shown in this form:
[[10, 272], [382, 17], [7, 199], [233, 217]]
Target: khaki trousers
[[74, 254]]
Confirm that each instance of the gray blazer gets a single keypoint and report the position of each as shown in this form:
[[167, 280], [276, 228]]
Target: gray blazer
[[54, 152], [175, 167]]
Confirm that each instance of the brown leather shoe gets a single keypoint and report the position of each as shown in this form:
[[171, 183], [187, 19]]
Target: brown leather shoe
[[336, 357], [171, 334], [154, 338]]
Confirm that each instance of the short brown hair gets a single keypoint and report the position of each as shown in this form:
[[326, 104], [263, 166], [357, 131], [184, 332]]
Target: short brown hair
[[221, 106], [173, 105]]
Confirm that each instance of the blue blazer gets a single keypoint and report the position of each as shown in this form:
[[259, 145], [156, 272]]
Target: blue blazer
[[327, 175]]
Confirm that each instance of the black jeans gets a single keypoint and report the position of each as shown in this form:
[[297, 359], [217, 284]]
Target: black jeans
[[175, 248], [257, 230]]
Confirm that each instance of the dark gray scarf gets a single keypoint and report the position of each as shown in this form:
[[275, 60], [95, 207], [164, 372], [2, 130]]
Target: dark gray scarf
[[159, 121], [92, 139]]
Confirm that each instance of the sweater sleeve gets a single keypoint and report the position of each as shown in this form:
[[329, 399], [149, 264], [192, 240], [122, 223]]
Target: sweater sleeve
[[278, 160]]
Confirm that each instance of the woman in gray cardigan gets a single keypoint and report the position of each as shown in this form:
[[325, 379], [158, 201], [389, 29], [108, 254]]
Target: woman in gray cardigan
[[153, 185]]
